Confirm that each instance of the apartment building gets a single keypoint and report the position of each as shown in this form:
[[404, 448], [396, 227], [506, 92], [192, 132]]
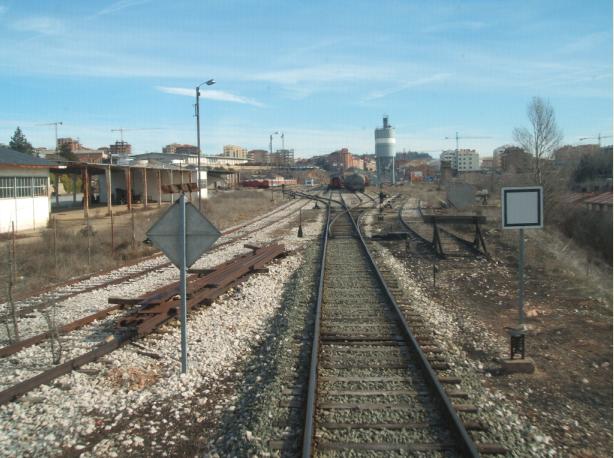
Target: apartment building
[[235, 151], [462, 160], [177, 148]]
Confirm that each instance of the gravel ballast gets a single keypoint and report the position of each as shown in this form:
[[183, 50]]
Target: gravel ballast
[[102, 409]]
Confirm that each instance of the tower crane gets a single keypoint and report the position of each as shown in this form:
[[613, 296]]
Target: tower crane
[[56, 124], [121, 131], [457, 137], [598, 138]]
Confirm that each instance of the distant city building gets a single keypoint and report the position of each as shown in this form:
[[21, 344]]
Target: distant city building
[[516, 160], [91, 156], [462, 160], [449, 156], [468, 160], [119, 147], [258, 155], [488, 163], [73, 145], [235, 151], [342, 160], [282, 158], [570, 156], [177, 148], [370, 165], [384, 152], [496, 155], [42, 152]]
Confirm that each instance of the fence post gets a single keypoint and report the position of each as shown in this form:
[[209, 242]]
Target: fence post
[[55, 246], [133, 229], [112, 236]]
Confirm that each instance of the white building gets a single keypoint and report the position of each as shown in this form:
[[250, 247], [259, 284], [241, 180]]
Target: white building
[[451, 156], [468, 160], [24, 190], [462, 160]]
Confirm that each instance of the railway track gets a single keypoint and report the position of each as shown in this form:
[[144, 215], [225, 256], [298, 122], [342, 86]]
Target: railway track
[[452, 244], [154, 309], [98, 280], [372, 389]]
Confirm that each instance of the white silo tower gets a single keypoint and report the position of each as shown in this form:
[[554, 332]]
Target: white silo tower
[[384, 153]]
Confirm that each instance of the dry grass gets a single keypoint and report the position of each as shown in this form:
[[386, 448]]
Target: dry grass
[[80, 250], [133, 378]]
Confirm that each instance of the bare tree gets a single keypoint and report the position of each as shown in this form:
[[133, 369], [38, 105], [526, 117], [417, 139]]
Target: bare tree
[[542, 137]]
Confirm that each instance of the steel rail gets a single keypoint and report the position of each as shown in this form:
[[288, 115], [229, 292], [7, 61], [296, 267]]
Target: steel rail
[[312, 388], [44, 302], [464, 440], [230, 277], [466, 243]]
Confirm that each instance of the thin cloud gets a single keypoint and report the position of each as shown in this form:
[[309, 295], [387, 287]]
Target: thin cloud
[[44, 25], [120, 5], [322, 74], [3, 9], [210, 94], [409, 84]]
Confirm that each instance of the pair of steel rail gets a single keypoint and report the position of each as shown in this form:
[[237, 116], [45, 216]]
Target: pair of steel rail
[[465, 445]]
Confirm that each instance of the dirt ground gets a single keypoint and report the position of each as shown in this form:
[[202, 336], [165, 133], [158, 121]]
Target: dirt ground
[[79, 251], [569, 319]]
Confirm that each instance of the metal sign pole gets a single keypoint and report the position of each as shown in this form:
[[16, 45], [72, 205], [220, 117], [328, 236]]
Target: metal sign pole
[[521, 279], [182, 282]]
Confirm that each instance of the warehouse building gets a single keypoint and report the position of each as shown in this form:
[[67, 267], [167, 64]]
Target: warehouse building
[[24, 190]]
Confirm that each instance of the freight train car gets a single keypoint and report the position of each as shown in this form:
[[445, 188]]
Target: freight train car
[[355, 182], [336, 182]]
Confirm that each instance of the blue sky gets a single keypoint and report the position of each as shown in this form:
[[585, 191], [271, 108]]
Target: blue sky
[[323, 72]]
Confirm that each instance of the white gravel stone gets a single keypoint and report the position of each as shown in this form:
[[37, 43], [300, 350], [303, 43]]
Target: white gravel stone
[[105, 398]]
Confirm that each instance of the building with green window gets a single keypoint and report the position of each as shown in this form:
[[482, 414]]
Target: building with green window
[[24, 190]]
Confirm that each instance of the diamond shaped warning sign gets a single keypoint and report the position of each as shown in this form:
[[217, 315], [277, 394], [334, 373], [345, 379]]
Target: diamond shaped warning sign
[[165, 234]]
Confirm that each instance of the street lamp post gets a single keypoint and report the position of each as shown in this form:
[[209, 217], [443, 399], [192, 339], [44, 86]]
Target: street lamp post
[[208, 83]]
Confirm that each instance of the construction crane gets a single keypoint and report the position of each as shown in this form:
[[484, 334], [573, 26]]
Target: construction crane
[[598, 138], [457, 137], [56, 124], [121, 131]]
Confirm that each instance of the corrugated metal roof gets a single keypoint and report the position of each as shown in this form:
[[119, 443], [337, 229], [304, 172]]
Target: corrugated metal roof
[[9, 156], [576, 197], [604, 198]]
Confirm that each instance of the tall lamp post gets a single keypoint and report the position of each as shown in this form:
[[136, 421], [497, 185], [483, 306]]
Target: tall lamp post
[[271, 142], [208, 83]]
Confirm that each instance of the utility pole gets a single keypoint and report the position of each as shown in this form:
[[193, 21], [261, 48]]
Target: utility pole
[[283, 144], [271, 142], [55, 148], [197, 114]]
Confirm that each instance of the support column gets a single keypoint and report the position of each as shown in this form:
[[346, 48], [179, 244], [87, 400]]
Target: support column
[[129, 188], [145, 187], [74, 189], [109, 191], [159, 188], [57, 191], [86, 193]]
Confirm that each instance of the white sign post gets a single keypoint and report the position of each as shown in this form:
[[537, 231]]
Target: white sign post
[[183, 234], [522, 208]]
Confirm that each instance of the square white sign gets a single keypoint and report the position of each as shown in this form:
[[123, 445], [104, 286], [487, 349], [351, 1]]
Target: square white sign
[[522, 207]]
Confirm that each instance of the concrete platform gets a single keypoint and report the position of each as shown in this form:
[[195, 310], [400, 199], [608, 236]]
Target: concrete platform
[[518, 366]]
